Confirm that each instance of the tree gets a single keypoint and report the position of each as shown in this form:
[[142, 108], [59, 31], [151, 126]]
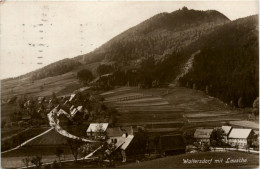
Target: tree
[[3, 123], [74, 145], [26, 161], [84, 75], [240, 102], [205, 147], [207, 89], [104, 69], [256, 107], [184, 8], [188, 136], [59, 152], [217, 137], [37, 161]]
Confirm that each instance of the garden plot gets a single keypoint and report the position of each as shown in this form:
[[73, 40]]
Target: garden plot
[[158, 103], [151, 120], [147, 112], [125, 97], [248, 124], [151, 116], [163, 124], [142, 100], [216, 119], [155, 108], [160, 130], [175, 124], [117, 91], [210, 114]]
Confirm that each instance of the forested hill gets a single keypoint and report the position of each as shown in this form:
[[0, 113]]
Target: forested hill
[[227, 65], [162, 34]]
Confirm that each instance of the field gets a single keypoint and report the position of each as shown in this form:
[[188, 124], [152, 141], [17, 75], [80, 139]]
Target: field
[[252, 161], [16, 137], [14, 158], [44, 146], [7, 110], [168, 110], [42, 87], [168, 105], [160, 110]]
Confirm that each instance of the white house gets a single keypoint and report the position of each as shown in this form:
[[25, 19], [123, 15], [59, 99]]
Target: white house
[[240, 137], [97, 129]]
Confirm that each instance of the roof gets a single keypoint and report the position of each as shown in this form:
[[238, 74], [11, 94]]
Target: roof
[[128, 140], [226, 129], [71, 97], [96, 127], [171, 142], [202, 133], [82, 89], [119, 131], [80, 108], [73, 112], [239, 133], [72, 107]]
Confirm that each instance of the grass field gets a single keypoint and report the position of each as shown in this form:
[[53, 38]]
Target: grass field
[[147, 106], [5, 133], [7, 110], [169, 110], [14, 160], [178, 162], [33, 88]]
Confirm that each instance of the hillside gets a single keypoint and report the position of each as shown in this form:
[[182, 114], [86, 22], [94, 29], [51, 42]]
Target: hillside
[[228, 62], [160, 35]]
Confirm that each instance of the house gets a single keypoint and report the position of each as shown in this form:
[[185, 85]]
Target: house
[[203, 135], [73, 112], [121, 142], [119, 131], [72, 97], [241, 137], [77, 110], [41, 100], [97, 129], [227, 130]]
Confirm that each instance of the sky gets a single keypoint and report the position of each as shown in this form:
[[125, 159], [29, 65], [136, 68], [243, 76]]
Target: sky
[[37, 33]]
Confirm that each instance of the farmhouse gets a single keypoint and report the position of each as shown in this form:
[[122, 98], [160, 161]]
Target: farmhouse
[[203, 135], [227, 130], [119, 131], [241, 137], [97, 129], [171, 144]]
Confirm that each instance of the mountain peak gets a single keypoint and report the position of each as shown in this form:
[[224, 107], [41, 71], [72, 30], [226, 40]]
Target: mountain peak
[[158, 35]]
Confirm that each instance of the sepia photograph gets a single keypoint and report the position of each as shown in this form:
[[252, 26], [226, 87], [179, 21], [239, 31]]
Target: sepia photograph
[[129, 84]]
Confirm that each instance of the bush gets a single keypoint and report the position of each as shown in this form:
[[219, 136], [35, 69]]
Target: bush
[[84, 75]]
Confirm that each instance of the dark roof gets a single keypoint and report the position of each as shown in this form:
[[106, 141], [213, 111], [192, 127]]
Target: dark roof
[[119, 131], [171, 142], [202, 133]]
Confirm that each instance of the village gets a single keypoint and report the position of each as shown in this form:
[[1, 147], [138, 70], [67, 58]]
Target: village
[[162, 84], [89, 123]]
